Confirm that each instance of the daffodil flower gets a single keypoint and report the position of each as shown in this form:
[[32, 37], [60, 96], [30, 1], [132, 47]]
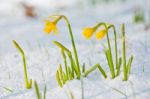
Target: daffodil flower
[[88, 32], [50, 26], [101, 34]]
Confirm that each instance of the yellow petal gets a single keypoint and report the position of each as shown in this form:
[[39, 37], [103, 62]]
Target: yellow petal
[[49, 26], [88, 32], [47, 30], [101, 34]]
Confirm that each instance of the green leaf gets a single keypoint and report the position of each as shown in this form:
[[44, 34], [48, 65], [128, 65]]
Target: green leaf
[[87, 72], [70, 73], [37, 90], [102, 71], [61, 74], [110, 62], [73, 66], [18, 47], [124, 54], [65, 77], [58, 79], [61, 46], [129, 64], [119, 66], [65, 62]]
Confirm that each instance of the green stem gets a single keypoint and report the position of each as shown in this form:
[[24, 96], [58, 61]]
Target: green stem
[[124, 53], [25, 70], [109, 47], [72, 40], [27, 83], [115, 36], [73, 44]]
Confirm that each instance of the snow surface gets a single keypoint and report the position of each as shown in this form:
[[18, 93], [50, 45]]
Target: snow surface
[[43, 57]]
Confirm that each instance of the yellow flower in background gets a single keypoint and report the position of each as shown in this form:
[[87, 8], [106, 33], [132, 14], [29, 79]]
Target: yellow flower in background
[[101, 34], [88, 32], [50, 26]]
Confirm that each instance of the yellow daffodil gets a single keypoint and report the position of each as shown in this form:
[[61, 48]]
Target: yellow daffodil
[[101, 34], [88, 32], [50, 26]]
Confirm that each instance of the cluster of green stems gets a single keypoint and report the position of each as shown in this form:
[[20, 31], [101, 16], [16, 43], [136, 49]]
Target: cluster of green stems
[[73, 69], [76, 71], [115, 71]]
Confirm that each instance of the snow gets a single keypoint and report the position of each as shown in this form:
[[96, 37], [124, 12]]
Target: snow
[[43, 57]]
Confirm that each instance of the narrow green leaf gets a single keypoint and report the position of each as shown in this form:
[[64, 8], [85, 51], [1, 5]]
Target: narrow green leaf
[[110, 63], [102, 71], [73, 66], [61, 46], [124, 53], [87, 72], [61, 74], [65, 77], [18, 47], [58, 79], [70, 73], [119, 66], [65, 61], [38, 94], [129, 64]]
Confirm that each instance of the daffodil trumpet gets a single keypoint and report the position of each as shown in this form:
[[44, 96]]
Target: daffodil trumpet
[[28, 83]]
